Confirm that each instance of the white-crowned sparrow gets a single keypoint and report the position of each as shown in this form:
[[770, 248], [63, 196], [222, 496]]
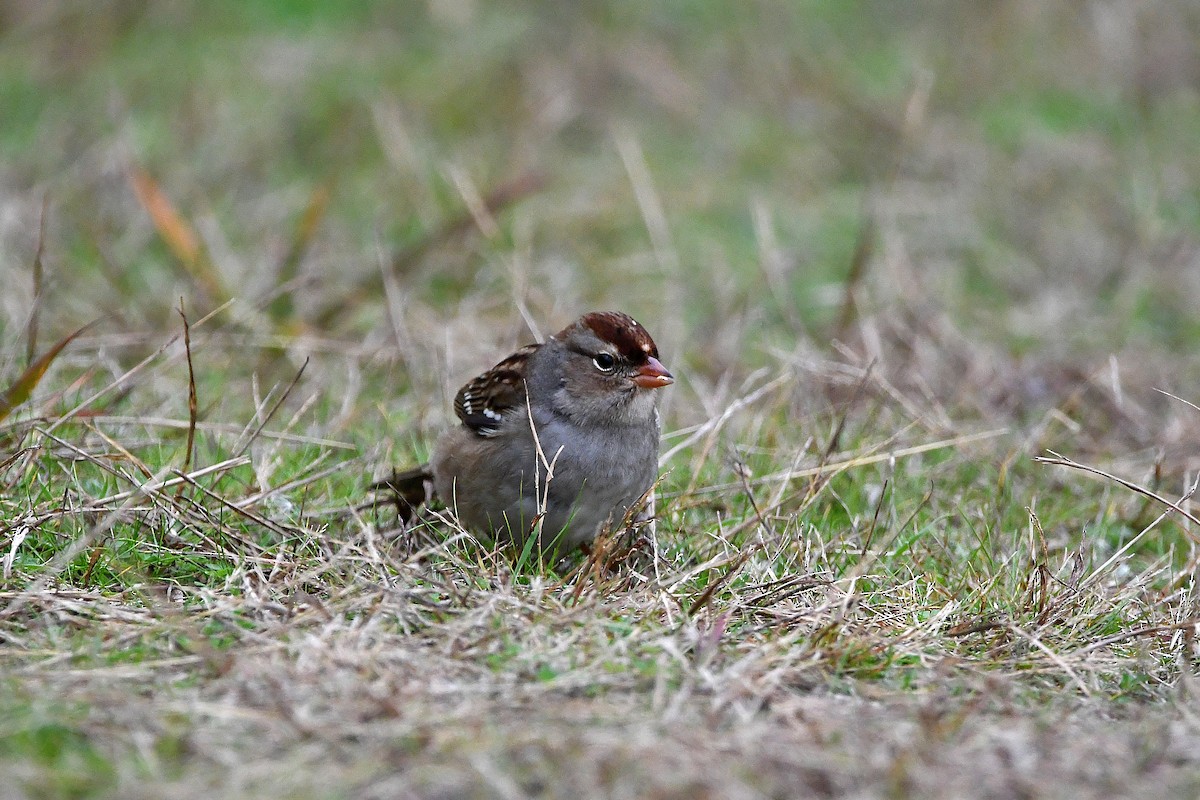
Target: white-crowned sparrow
[[588, 455]]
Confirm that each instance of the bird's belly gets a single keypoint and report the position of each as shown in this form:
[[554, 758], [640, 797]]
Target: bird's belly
[[589, 483]]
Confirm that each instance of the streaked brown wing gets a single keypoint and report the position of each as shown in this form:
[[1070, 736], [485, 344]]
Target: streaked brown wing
[[482, 403]]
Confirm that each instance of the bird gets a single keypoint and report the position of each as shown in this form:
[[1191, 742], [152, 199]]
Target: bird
[[559, 440]]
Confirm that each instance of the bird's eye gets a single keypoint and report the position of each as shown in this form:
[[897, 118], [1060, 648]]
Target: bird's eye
[[604, 362]]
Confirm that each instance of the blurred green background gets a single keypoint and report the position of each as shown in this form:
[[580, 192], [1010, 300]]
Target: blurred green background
[[1028, 165]]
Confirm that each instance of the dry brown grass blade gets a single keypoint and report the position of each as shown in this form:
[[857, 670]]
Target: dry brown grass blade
[[303, 481], [372, 284], [1187, 626], [282, 307], [1054, 657], [816, 482], [258, 519], [23, 387], [714, 585], [866, 546], [220, 428], [852, 462], [1177, 397], [174, 230], [31, 330], [157, 484], [1039, 582], [714, 424], [192, 403], [124, 379], [810, 493], [1062, 461], [138, 463], [245, 445], [864, 250], [176, 233], [499, 198], [12, 459]]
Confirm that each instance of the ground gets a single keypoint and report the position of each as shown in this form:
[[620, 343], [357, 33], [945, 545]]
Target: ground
[[926, 273]]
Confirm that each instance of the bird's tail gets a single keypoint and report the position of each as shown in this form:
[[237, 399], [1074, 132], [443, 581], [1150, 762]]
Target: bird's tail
[[411, 488]]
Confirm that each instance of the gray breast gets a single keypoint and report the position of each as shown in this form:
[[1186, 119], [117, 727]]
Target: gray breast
[[596, 477], [498, 489]]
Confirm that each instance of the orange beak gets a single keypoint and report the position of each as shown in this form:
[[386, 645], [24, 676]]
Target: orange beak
[[653, 375]]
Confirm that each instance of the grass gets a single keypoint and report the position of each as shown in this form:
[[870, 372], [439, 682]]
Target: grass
[[892, 253]]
